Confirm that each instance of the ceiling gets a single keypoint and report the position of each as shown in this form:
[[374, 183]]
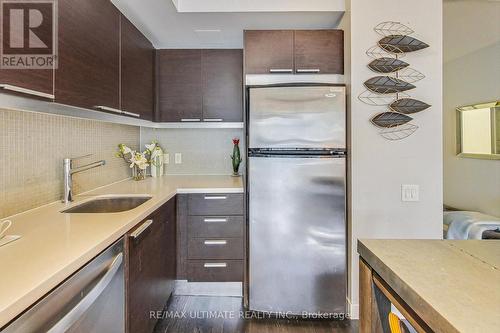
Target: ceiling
[[468, 26], [166, 28], [203, 6]]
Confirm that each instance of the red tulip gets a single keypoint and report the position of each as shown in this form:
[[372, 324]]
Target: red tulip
[[236, 141]]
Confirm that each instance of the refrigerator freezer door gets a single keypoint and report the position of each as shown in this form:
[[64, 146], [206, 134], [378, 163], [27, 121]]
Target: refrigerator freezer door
[[297, 258], [297, 117]]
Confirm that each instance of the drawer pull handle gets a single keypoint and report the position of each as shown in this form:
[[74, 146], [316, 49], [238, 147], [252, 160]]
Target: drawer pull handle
[[281, 70], [190, 120], [220, 197], [215, 242], [26, 91], [131, 114], [215, 265], [106, 108], [141, 229], [311, 70], [214, 220], [213, 119]]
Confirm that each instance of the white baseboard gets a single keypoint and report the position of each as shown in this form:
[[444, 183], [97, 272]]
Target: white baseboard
[[353, 310]]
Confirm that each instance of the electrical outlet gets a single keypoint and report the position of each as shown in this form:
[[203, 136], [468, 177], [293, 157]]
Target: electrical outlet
[[166, 158], [410, 193], [178, 158]]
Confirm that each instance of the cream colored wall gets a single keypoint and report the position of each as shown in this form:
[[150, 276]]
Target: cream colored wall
[[471, 75], [33, 145], [379, 167]]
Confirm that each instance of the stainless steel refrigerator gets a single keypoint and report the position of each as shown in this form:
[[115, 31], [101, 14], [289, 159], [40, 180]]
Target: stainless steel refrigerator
[[296, 199]]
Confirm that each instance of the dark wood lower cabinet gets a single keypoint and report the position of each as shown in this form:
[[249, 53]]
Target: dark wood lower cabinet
[[150, 268], [211, 237]]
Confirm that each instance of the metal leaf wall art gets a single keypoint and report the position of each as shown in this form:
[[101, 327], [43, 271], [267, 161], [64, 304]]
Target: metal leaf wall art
[[401, 44], [387, 65], [389, 89], [387, 85], [408, 106], [390, 119]]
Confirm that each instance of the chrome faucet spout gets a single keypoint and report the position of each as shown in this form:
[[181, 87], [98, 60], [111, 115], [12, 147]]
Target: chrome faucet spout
[[68, 172], [88, 166]]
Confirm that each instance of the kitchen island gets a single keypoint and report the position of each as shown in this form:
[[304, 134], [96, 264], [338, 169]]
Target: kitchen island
[[438, 285]]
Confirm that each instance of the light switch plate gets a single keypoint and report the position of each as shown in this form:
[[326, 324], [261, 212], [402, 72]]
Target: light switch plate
[[410, 193], [178, 158], [166, 158]]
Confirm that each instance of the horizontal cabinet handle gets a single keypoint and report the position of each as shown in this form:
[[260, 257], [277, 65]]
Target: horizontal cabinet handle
[[76, 313], [215, 242], [281, 70], [219, 197], [131, 114], [26, 91], [215, 220], [187, 120], [106, 108], [311, 70], [215, 265], [141, 229], [213, 119]]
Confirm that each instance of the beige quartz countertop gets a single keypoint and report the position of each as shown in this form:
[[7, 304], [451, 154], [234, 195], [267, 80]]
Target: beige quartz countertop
[[54, 245], [453, 285]]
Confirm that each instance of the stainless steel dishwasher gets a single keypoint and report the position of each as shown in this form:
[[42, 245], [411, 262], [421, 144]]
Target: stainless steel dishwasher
[[91, 300]]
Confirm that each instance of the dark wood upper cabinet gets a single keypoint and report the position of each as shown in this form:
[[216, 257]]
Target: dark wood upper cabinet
[[26, 82], [200, 85], [179, 85], [137, 71], [319, 51], [222, 77], [294, 51], [38, 82], [89, 53], [268, 51]]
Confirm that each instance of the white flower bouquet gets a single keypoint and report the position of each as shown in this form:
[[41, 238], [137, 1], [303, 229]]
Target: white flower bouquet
[[138, 161]]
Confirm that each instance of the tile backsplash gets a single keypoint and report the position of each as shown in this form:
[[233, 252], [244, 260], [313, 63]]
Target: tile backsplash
[[204, 151], [33, 145]]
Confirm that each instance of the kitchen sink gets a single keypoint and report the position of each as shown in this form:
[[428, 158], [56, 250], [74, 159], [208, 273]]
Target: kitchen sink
[[108, 205]]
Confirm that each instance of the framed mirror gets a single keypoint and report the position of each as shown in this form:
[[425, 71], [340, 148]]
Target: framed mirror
[[478, 131]]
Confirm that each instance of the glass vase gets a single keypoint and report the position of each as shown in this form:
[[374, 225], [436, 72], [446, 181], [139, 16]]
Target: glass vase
[[138, 173]]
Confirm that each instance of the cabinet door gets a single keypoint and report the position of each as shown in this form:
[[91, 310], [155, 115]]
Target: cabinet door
[[319, 51], [28, 82], [168, 245], [88, 72], [222, 77], [148, 284], [137, 58], [268, 51], [179, 85]]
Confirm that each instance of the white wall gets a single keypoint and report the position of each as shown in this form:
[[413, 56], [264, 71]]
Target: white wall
[[379, 167], [471, 75]]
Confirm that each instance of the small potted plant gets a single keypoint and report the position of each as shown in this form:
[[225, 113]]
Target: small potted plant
[[236, 157]]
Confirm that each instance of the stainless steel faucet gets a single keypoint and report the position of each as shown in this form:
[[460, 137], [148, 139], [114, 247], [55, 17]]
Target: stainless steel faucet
[[69, 171]]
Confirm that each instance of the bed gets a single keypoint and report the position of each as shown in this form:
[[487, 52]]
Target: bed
[[459, 224]]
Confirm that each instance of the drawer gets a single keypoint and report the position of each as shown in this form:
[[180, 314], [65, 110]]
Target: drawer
[[215, 204], [215, 248], [215, 270], [215, 226]]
